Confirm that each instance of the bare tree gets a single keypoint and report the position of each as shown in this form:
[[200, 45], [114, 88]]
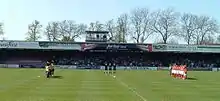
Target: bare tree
[[81, 29], [207, 27], [140, 20], [1, 29], [188, 27], [92, 26], [111, 27], [208, 40], [4, 38], [159, 41], [52, 31], [96, 26], [99, 26], [218, 39], [66, 39], [122, 28], [69, 30], [165, 23], [173, 41], [34, 31]]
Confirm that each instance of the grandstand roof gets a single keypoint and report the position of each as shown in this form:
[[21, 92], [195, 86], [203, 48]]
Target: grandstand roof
[[19, 44], [100, 32], [71, 42]]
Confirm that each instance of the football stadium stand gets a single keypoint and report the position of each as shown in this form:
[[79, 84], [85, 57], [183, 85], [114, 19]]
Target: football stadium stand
[[21, 54]]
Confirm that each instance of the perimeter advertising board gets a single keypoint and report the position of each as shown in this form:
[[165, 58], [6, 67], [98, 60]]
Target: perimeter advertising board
[[186, 48], [60, 45], [116, 47], [19, 45], [178, 48]]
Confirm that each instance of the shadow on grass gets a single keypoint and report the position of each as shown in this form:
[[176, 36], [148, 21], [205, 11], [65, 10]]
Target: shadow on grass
[[191, 78], [57, 77]]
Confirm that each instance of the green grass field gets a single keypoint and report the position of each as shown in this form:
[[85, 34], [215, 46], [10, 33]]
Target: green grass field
[[94, 85]]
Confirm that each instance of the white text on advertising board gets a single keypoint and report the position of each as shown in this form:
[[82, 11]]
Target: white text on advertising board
[[116, 47], [63, 46], [159, 47], [165, 47], [8, 44], [181, 47]]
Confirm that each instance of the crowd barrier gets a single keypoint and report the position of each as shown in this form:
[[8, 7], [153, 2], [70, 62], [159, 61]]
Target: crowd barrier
[[9, 65], [215, 69], [178, 71], [80, 67], [88, 67], [102, 67], [200, 69], [163, 68], [65, 66], [133, 68]]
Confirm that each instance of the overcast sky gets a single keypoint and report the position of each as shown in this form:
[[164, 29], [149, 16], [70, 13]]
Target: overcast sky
[[17, 14]]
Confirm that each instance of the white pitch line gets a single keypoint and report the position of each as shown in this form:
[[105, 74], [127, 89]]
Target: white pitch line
[[131, 89]]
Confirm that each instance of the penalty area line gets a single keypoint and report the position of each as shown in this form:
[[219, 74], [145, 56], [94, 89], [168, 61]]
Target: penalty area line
[[131, 89]]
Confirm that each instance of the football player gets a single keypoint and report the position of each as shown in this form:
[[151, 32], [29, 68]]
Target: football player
[[114, 68], [48, 69], [110, 68], [106, 68], [52, 68]]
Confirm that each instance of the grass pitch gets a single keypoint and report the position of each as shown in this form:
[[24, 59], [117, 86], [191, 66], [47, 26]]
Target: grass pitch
[[94, 85]]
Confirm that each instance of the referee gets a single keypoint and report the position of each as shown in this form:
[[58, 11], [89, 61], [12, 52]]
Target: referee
[[52, 67], [106, 68], [114, 68], [110, 68]]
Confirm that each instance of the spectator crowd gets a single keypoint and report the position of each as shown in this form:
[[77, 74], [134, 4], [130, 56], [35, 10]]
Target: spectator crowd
[[151, 59], [142, 59]]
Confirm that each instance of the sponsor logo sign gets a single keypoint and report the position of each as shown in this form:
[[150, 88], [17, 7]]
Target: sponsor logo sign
[[117, 47], [178, 48], [59, 45], [159, 47], [9, 44], [19, 44]]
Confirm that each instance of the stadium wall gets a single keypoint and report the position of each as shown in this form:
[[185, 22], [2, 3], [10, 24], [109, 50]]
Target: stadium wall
[[102, 67], [9, 65], [215, 69], [199, 69]]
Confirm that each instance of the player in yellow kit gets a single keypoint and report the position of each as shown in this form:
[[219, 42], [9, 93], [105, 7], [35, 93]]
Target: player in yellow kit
[[48, 69], [52, 68]]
